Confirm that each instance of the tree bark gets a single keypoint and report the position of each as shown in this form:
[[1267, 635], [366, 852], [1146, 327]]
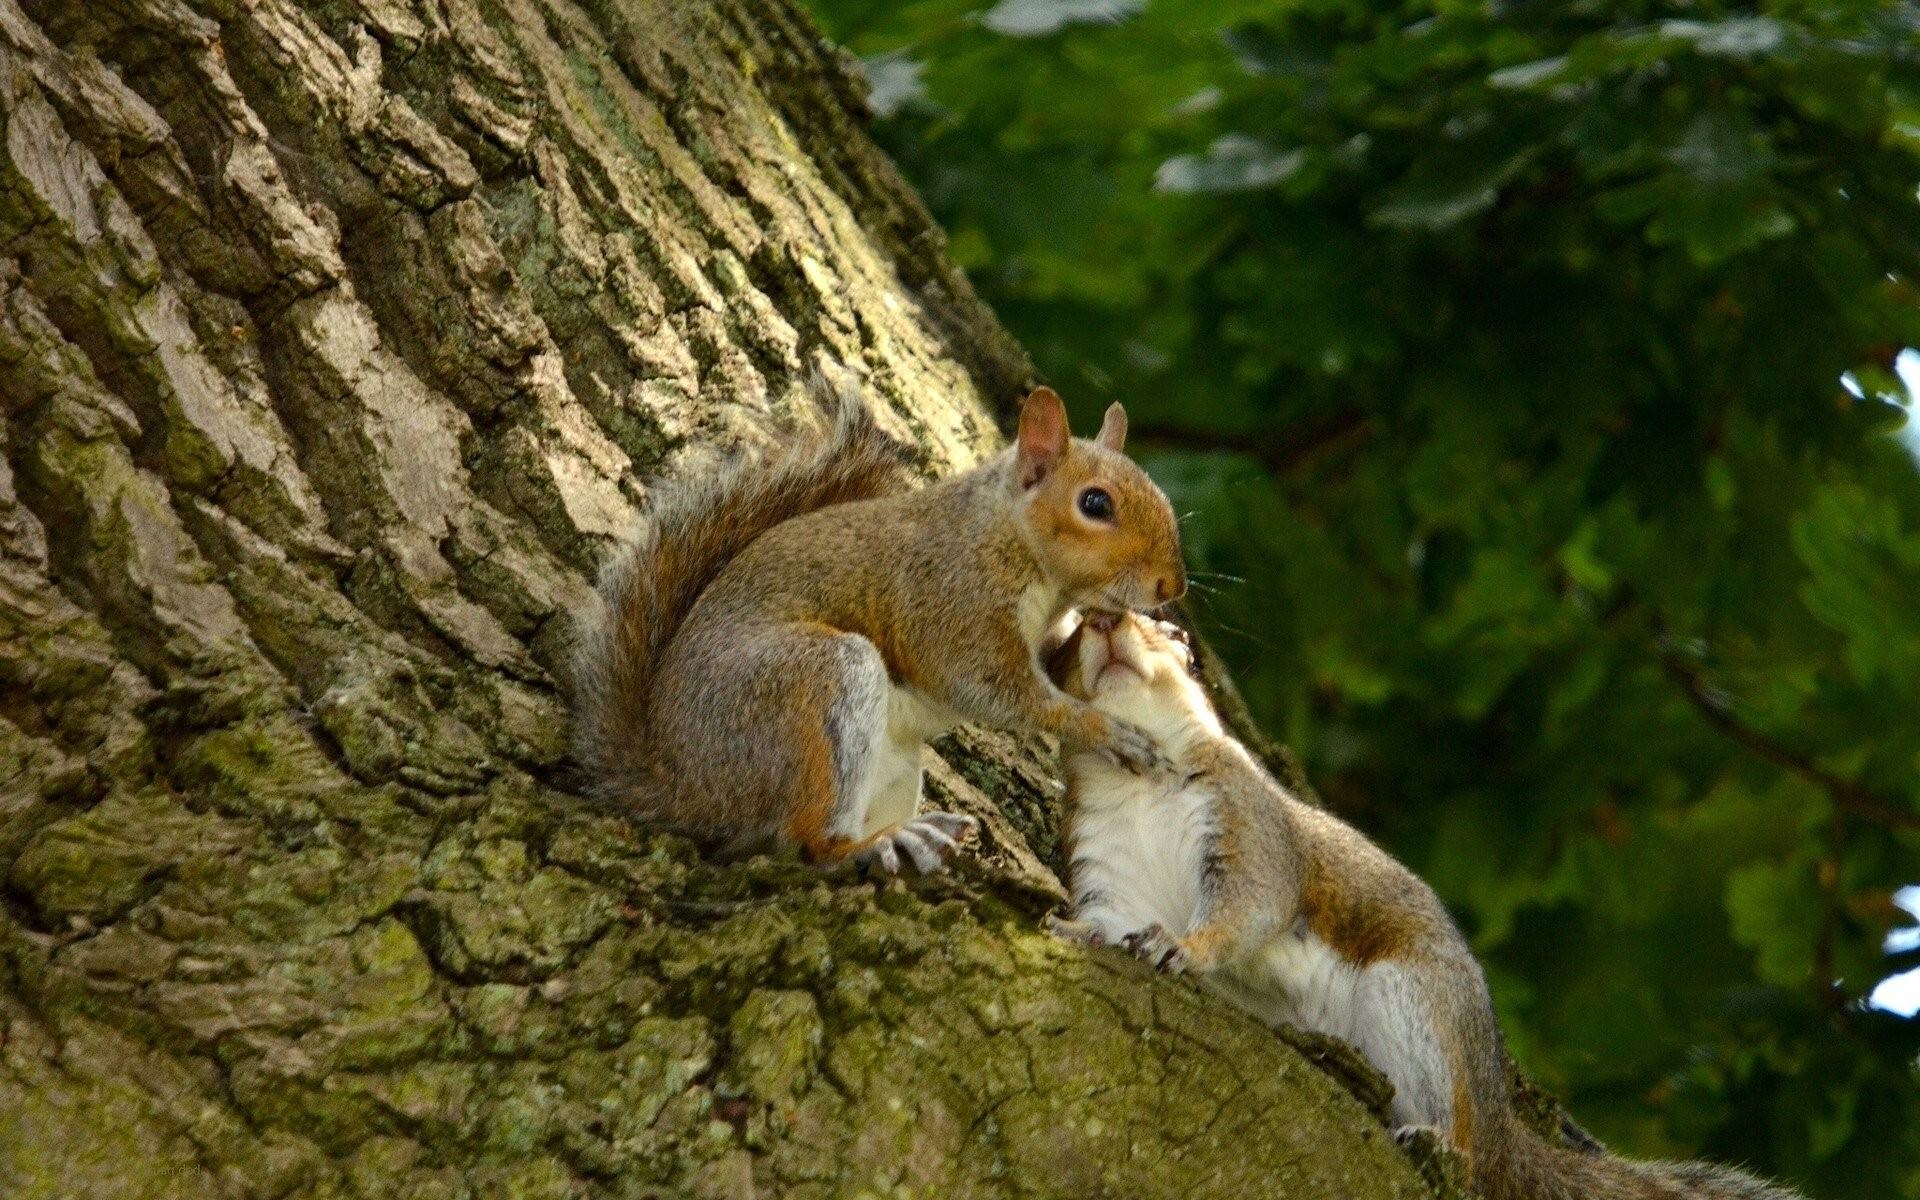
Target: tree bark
[[333, 339]]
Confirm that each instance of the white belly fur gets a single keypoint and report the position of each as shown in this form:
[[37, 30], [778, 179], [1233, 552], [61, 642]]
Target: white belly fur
[[1036, 611], [912, 720], [1138, 853], [1297, 979]]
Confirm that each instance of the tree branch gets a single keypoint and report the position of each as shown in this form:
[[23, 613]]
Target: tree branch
[[1848, 795], [1281, 453]]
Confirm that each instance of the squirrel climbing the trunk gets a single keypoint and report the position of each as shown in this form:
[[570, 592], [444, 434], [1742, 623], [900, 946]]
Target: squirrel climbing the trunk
[[1213, 867], [774, 647]]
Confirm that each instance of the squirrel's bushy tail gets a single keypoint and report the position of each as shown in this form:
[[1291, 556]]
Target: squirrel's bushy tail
[[694, 526], [1531, 1168]]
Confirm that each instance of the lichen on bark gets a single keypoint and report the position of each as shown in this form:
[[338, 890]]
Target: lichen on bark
[[335, 339]]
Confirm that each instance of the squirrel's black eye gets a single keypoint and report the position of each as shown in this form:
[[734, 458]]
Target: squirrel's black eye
[[1097, 504]]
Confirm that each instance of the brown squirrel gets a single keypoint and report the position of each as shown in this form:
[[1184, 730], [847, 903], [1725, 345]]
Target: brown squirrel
[[776, 645], [1215, 868]]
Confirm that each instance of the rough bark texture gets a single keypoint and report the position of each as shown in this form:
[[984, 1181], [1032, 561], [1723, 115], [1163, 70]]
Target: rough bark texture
[[332, 340]]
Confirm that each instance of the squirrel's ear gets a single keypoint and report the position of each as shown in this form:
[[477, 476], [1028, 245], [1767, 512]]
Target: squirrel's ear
[[1113, 430], [1042, 440]]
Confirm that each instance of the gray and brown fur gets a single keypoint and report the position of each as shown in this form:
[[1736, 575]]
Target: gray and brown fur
[[1214, 867], [780, 638], [695, 526]]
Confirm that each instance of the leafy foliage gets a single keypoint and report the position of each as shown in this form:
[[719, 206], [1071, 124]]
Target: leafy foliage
[[1527, 371]]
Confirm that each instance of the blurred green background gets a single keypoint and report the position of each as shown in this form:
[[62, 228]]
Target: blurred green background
[[1529, 376]]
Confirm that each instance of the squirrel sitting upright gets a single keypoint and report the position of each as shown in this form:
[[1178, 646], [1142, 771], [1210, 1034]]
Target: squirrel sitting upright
[[1215, 868], [776, 645]]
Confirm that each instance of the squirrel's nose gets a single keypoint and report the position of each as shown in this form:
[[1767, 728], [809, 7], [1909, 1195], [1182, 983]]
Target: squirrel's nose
[[1102, 622], [1168, 588]]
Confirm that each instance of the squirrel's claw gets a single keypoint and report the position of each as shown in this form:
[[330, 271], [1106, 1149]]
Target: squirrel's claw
[[1156, 946], [882, 854], [1072, 929], [954, 827], [926, 840], [923, 847]]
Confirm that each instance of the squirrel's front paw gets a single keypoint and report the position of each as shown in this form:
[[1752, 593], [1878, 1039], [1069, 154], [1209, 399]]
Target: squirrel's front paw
[[926, 840], [1155, 945], [1130, 747]]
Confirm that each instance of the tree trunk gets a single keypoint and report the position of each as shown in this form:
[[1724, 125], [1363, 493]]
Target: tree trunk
[[332, 340]]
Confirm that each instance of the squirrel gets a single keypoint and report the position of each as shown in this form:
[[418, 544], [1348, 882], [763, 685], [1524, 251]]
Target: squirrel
[[771, 651], [1215, 868]]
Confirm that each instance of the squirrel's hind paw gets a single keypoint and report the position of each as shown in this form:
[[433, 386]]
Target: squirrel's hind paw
[[926, 841], [1072, 929], [1154, 945]]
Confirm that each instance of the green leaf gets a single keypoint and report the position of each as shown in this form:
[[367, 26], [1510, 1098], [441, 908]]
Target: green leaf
[[1234, 163], [1037, 18], [1775, 911], [1450, 186], [1733, 37], [893, 82], [1530, 76]]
